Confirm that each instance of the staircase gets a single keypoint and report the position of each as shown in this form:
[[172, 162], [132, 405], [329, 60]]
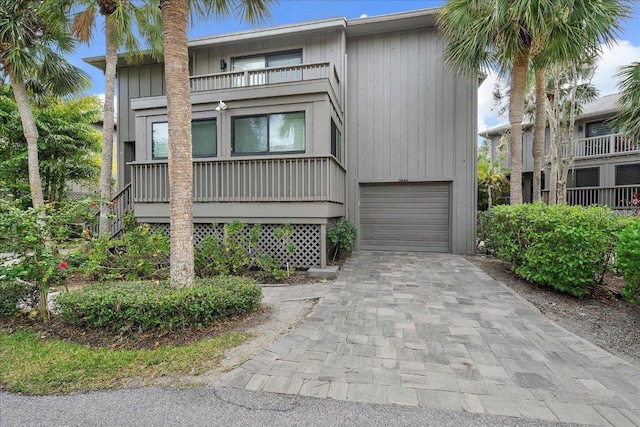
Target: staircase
[[121, 203]]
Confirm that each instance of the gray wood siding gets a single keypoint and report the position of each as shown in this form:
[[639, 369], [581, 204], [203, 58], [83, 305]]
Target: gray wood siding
[[410, 119], [134, 82]]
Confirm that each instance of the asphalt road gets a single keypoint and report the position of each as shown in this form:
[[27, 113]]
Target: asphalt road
[[224, 407]]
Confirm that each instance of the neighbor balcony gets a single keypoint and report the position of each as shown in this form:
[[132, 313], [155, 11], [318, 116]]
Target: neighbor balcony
[[602, 146], [619, 198]]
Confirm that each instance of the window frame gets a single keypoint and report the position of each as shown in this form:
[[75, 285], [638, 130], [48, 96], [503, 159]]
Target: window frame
[[573, 176], [603, 122], [265, 56], [200, 119], [268, 152], [637, 165]]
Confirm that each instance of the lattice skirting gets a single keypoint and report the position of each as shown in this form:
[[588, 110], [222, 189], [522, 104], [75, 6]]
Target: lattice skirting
[[306, 238]]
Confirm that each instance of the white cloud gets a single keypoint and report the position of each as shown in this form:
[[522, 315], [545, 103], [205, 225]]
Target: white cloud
[[364, 15], [115, 103], [488, 116], [611, 59]]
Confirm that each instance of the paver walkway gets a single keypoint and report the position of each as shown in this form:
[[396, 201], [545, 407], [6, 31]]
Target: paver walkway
[[433, 330]]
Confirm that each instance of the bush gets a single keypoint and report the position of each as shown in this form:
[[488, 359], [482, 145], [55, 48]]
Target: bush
[[342, 237], [628, 260], [141, 306], [14, 292], [139, 254], [561, 246]]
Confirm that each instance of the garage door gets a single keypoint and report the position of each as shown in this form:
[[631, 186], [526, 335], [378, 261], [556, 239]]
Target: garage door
[[405, 217]]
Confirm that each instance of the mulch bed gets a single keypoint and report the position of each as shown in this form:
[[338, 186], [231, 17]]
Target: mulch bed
[[602, 317]]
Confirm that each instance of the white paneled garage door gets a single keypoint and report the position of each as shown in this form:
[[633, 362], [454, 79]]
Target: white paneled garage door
[[405, 217]]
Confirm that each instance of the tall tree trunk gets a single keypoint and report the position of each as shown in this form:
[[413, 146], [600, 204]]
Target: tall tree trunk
[[539, 126], [516, 115], [489, 197], [107, 125], [31, 135], [175, 15]]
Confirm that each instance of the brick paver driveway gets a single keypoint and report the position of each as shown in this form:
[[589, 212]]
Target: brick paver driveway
[[433, 330]]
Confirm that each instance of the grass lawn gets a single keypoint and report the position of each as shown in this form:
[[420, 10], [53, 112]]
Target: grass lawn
[[32, 365]]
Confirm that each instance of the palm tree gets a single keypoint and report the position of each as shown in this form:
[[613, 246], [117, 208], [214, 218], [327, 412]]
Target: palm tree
[[175, 20], [33, 37], [507, 34], [572, 30], [119, 16], [628, 119]]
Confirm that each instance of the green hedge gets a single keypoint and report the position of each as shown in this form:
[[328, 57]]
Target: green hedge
[[628, 260], [148, 305], [561, 246]]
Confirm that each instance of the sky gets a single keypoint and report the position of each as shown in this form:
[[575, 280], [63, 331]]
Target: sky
[[625, 51]]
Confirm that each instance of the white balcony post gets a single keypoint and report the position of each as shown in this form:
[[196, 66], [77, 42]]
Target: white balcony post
[[612, 143]]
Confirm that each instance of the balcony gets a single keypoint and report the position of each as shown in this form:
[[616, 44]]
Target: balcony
[[601, 146], [620, 197], [299, 178], [267, 76]]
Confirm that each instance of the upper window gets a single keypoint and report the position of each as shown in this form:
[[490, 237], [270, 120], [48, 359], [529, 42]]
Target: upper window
[[271, 60], [204, 139], [585, 177], [600, 128], [269, 133], [336, 142], [628, 174]]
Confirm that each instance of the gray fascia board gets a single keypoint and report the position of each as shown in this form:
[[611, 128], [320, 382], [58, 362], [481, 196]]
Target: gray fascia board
[[392, 22]]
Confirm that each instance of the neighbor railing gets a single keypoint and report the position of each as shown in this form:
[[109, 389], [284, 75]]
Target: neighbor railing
[[618, 197], [121, 203], [601, 146], [256, 179], [266, 76]]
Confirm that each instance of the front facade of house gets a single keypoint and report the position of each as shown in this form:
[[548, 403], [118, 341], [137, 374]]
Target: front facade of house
[[606, 166], [309, 124]]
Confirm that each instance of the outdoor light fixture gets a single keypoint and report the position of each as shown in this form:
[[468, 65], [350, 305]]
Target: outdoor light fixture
[[221, 106], [223, 64]]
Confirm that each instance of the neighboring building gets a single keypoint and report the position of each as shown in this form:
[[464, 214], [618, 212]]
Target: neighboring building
[[319, 121], [606, 166]]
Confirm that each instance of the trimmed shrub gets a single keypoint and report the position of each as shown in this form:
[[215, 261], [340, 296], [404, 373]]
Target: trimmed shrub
[[138, 255], [342, 237], [628, 260], [12, 293], [148, 305], [561, 246]]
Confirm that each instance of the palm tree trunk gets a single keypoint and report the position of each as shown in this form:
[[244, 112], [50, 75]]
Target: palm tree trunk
[[107, 125], [31, 135], [516, 115], [537, 148], [175, 15]]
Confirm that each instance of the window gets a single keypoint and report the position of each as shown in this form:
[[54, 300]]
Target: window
[[272, 60], [628, 174], [204, 139], [336, 142], [585, 177], [269, 133], [600, 128]]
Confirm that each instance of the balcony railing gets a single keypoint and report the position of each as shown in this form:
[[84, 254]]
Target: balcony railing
[[282, 179], [266, 76], [599, 146], [619, 197]]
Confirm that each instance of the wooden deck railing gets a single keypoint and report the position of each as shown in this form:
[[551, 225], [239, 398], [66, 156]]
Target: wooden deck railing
[[619, 197], [121, 203], [266, 76], [256, 179], [599, 146]]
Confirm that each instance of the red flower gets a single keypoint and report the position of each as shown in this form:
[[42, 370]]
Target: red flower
[[63, 265], [94, 204]]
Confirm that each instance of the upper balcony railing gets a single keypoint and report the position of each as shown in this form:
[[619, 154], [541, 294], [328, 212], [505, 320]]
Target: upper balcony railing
[[599, 146], [296, 178], [267, 76]]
